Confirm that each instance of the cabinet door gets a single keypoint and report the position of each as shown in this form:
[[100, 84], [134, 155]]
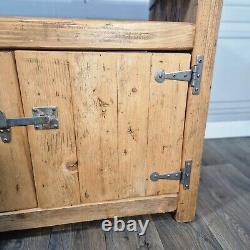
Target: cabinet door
[[17, 189], [117, 124]]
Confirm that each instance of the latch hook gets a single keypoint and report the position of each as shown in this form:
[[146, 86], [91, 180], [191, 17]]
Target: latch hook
[[43, 118]]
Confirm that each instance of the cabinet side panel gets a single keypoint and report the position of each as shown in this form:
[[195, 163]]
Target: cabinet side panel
[[208, 20], [45, 81], [17, 189]]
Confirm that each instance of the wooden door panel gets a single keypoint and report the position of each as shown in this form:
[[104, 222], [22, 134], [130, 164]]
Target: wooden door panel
[[127, 125], [166, 122], [17, 189], [45, 81], [111, 94], [117, 124]]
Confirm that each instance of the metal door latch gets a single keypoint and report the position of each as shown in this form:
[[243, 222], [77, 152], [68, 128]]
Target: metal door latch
[[43, 118], [192, 76], [183, 176]]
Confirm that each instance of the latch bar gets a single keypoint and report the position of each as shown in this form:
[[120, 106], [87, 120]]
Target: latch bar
[[193, 76], [43, 118], [183, 176], [13, 122]]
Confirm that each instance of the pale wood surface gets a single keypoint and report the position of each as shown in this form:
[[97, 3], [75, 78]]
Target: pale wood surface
[[94, 90], [120, 140], [45, 81], [17, 189], [133, 103], [34, 218], [222, 220], [166, 122], [56, 34], [115, 104], [207, 24]]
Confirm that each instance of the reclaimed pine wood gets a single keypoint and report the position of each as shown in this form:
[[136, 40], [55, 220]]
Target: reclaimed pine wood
[[94, 91], [50, 79], [207, 25], [49, 33], [44, 81], [112, 122], [133, 103], [17, 189], [206, 15], [166, 122], [35, 218]]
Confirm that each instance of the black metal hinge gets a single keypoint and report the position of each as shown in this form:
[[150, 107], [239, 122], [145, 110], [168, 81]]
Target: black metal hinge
[[193, 76], [183, 176]]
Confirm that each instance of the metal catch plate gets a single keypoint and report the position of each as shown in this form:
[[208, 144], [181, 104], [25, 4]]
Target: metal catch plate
[[196, 75], [185, 177], [51, 113], [4, 131]]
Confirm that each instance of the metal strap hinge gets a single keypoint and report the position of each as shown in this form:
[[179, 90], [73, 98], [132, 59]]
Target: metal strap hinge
[[192, 76], [43, 118], [183, 176]]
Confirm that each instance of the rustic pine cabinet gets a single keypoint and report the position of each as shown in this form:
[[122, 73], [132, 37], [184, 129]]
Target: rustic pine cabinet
[[104, 118]]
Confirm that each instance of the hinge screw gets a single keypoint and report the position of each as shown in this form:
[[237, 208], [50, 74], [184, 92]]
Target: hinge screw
[[161, 75]]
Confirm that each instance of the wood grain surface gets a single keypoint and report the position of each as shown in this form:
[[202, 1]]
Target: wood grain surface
[[17, 190], [45, 81], [34, 218], [207, 25], [49, 33]]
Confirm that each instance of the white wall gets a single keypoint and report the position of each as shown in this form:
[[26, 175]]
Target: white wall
[[229, 113]]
